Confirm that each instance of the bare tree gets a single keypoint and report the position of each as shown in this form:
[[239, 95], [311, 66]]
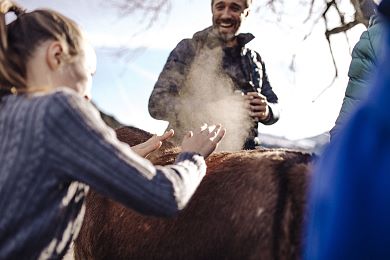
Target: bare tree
[[363, 9], [361, 12], [151, 10]]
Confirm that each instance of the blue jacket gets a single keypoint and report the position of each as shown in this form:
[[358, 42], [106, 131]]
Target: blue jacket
[[365, 56], [349, 205]]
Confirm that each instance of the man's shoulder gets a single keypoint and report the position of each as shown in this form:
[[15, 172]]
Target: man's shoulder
[[197, 37], [201, 35], [189, 45]]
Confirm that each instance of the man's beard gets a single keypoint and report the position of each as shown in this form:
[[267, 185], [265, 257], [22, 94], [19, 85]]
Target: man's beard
[[224, 37]]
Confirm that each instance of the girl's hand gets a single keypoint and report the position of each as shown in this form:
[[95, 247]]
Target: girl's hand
[[151, 145], [204, 141]]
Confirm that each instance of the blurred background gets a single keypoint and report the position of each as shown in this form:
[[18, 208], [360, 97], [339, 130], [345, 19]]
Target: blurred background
[[133, 39]]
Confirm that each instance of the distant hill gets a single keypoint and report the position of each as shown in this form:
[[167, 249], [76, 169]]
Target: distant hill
[[110, 120], [314, 144]]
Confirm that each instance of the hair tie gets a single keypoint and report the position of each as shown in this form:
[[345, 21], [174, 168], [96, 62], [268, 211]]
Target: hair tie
[[18, 11]]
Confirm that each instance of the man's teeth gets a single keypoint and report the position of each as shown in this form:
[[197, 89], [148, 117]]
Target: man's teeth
[[226, 24]]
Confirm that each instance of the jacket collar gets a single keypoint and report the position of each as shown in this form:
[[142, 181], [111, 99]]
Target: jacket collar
[[375, 19], [208, 37]]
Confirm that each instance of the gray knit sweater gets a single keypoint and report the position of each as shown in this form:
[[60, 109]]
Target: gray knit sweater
[[52, 148]]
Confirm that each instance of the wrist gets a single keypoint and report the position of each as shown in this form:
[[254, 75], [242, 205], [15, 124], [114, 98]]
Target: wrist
[[267, 118]]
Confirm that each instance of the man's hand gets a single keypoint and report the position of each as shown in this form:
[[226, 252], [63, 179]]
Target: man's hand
[[151, 145], [258, 106]]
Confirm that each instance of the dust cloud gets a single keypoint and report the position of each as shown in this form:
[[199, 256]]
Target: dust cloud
[[209, 97]]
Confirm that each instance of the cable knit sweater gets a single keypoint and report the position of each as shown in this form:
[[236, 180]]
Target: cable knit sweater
[[53, 147]]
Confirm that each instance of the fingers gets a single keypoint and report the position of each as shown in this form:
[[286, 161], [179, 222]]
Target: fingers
[[166, 135], [153, 147], [255, 98], [188, 135], [220, 134], [260, 115], [215, 131], [204, 141], [258, 108], [143, 149], [259, 102], [255, 95], [203, 128], [148, 142], [152, 143]]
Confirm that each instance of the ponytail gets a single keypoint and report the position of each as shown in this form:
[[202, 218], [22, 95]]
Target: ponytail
[[20, 39], [8, 77]]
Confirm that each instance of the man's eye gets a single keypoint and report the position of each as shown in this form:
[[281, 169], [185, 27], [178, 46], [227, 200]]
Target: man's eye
[[219, 7], [235, 8]]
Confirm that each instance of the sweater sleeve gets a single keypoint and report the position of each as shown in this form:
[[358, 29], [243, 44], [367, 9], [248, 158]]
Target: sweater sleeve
[[81, 147]]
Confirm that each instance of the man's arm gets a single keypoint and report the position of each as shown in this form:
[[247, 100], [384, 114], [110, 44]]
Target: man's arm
[[272, 99], [264, 105], [164, 102]]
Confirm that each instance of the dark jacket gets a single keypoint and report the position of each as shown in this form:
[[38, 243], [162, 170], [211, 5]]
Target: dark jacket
[[365, 56], [244, 66]]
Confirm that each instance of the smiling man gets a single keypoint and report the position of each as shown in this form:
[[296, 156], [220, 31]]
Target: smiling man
[[214, 77]]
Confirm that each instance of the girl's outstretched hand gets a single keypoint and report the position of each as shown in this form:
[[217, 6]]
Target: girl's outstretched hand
[[203, 141], [154, 143]]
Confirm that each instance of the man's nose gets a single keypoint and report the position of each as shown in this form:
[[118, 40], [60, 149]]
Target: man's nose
[[226, 13]]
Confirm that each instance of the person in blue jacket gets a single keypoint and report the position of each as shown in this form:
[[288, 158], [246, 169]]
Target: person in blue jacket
[[349, 209], [365, 56]]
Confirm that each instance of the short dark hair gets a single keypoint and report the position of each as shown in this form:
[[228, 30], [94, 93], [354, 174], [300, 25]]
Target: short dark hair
[[248, 2]]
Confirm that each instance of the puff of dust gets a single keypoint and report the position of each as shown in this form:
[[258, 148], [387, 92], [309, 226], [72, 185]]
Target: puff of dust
[[208, 97]]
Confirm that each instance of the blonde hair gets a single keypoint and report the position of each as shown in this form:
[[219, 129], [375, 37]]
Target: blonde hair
[[19, 40]]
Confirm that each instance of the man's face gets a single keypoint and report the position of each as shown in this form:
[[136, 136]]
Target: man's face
[[227, 17]]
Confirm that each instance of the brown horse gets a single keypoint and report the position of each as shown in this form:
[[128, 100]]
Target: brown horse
[[250, 205]]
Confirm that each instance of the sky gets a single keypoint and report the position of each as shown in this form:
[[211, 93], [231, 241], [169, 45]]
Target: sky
[[131, 56]]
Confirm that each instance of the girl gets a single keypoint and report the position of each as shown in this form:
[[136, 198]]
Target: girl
[[53, 144]]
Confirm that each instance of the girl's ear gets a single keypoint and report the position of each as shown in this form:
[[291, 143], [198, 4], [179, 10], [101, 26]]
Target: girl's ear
[[54, 55]]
